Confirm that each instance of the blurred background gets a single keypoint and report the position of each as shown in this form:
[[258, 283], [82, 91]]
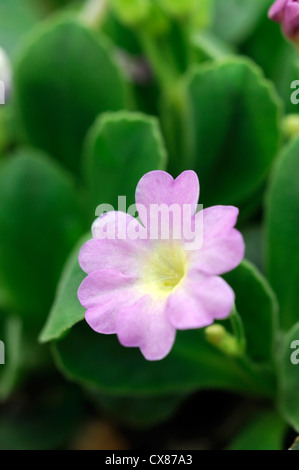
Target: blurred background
[[97, 93]]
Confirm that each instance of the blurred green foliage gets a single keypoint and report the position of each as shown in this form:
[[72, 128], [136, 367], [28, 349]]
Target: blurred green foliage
[[103, 92]]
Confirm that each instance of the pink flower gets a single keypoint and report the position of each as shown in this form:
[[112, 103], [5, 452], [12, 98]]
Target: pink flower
[[143, 290], [286, 12]]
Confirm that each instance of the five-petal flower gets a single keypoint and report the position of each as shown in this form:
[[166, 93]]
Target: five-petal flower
[[144, 289]]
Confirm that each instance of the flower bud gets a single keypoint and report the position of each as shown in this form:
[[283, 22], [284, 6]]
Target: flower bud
[[291, 125], [286, 12], [219, 337], [215, 334]]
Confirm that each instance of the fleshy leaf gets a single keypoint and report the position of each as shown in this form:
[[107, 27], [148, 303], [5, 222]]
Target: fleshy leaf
[[288, 376], [65, 77], [258, 308], [102, 363], [266, 39], [66, 310], [282, 228], [16, 18], [265, 431], [233, 129], [11, 335], [235, 20], [121, 147]]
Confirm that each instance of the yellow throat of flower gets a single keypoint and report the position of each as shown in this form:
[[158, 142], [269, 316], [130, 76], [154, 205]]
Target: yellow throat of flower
[[164, 269]]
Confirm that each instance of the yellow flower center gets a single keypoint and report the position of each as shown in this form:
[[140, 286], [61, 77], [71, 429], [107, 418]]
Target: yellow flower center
[[164, 269]]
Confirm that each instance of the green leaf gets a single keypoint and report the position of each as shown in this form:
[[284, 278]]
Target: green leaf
[[131, 12], [100, 362], [65, 77], [7, 128], [265, 431], [266, 39], [233, 129], [235, 20], [66, 310], [254, 242], [209, 46], [40, 222], [282, 228], [288, 376], [121, 147], [257, 307]]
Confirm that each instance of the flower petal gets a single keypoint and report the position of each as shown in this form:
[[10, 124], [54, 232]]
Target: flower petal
[[158, 187], [199, 302], [290, 23], [114, 246], [145, 325]]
